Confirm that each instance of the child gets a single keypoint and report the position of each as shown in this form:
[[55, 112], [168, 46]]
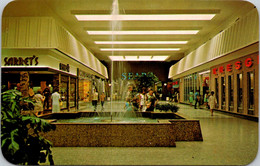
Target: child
[[212, 102], [128, 105]]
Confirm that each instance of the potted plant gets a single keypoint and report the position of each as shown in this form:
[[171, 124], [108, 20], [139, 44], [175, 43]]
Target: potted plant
[[21, 142], [166, 107]]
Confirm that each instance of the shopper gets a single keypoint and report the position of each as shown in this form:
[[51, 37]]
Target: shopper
[[197, 99], [206, 99], [102, 100], [128, 105], [39, 99], [142, 97], [56, 99], [151, 101], [46, 93], [191, 98], [212, 102], [95, 99]]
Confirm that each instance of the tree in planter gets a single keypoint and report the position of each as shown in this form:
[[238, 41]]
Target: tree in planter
[[20, 140], [145, 81]]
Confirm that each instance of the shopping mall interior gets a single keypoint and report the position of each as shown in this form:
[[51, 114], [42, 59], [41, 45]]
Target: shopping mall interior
[[195, 61]]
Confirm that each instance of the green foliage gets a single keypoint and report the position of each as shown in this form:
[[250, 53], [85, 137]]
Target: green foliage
[[145, 81], [166, 107], [20, 140]]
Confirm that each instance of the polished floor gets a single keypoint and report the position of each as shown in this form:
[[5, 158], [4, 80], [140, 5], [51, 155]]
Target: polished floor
[[227, 141]]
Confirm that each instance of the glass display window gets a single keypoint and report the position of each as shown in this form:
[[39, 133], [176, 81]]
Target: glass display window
[[231, 92], [240, 93], [217, 91], [223, 93], [250, 92], [64, 91], [72, 92]]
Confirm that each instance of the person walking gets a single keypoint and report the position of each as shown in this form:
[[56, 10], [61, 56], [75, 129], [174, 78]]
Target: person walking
[[142, 100], [46, 93], [197, 99], [95, 99], [212, 102], [39, 99], [191, 98], [102, 100], [55, 97]]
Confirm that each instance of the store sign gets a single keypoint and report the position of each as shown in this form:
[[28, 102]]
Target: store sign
[[175, 84], [64, 67], [229, 67], [132, 76], [20, 61]]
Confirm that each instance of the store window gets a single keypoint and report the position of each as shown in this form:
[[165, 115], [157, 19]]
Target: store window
[[223, 93], [250, 78], [64, 91], [240, 93], [216, 91], [231, 92], [72, 92]]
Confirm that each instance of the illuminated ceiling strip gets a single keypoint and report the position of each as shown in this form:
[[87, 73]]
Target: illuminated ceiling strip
[[141, 42], [138, 58], [152, 32], [143, 17], [139, 49]]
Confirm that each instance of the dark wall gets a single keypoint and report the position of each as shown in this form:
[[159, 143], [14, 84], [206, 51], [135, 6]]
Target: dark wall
[[160, 69]]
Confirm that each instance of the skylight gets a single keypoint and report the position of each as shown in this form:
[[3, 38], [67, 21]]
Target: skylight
[[139, 49], [151, 32], [145, 17], [141, 42]]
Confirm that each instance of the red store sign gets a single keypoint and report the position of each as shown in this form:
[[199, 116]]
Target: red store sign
[[229, 67]]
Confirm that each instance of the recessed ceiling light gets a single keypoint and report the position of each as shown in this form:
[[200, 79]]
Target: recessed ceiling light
[[139, 49], [143, 17], [152, 32], [141, 42]]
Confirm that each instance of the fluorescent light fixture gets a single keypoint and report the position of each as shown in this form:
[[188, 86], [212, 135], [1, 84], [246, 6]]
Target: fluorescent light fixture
[[144, 17], [117, 58], [159, 58], [139, 49], [131, 58], [145, 58], [141, 42], [151, 32], [138, 58]]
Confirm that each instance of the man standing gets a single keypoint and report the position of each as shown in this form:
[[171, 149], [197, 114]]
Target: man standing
[[151, 101]]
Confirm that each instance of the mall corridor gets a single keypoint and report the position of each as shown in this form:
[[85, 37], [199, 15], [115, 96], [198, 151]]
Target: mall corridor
[[227, 140]]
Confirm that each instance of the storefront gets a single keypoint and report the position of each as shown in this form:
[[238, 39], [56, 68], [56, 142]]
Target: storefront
[[47, 71], [235, 84], [190, 85], [84, 88]]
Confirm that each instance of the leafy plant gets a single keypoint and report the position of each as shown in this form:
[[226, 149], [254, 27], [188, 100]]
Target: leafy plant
[[166, 107], [21, 142], [145, 81]]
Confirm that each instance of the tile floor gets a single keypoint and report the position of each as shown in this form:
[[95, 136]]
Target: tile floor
[[227, 141]]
